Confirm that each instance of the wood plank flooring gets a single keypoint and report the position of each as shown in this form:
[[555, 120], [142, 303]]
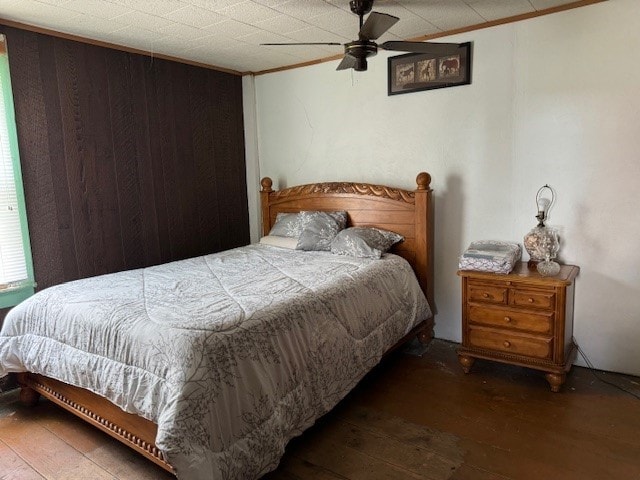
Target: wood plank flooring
[[411, 418]]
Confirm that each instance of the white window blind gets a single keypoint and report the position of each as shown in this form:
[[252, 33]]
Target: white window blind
[[13, 266], [16, 272]]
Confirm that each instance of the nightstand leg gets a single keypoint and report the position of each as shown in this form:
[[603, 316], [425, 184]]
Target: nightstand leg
[[466, 362], [556, 380]]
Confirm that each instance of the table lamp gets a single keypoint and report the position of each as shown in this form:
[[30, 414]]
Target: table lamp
[[542, 242]]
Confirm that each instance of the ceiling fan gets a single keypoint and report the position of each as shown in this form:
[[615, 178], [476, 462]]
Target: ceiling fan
[[357, 52]]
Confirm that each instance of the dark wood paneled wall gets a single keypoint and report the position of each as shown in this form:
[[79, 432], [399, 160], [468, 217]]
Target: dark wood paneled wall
[[128, 161]]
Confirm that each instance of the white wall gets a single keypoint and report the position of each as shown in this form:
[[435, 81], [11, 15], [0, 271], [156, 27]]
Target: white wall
[[554, 100]]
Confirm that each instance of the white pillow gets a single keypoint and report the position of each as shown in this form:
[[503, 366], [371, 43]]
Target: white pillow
[[282, 242]]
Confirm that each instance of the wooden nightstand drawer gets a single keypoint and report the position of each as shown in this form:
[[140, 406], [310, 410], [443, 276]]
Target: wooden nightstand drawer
[[537, 347], [479, 292], [523, 298], [537, 323]]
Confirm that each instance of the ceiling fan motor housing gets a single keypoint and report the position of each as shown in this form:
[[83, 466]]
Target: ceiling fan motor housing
[[360, 50]]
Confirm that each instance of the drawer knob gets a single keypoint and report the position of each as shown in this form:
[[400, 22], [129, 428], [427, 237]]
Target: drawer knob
[[509, 284], [507, 343], [485, 295], [507, 319], [530, 300]]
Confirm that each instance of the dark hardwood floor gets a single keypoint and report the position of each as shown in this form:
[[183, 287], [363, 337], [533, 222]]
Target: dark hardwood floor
[[411, 418]]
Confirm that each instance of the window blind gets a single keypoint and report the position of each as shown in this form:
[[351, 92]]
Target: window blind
[[16, 271]]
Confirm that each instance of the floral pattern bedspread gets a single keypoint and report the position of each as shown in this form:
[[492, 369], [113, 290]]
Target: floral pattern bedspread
[[231, 354]]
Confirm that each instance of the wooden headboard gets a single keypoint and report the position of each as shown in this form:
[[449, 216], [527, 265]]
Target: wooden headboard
[[406, 212]]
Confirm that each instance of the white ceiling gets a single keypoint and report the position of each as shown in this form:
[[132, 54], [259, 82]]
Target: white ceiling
[[228, 33]]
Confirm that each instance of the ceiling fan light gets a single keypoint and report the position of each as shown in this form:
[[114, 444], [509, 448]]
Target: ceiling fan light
[[361, 64]]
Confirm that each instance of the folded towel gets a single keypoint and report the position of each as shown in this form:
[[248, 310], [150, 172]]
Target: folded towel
[[491, 256]]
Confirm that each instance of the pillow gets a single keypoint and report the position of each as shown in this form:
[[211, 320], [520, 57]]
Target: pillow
[[320, 228], [366, 242], [341, 217], [292, 224], [287, 225], [282, 242]]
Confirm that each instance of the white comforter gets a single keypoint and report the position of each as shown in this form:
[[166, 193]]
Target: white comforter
[[231, 354]]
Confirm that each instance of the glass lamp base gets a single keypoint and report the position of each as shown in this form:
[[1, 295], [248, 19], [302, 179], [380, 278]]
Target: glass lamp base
[[533, 264], [548, 268]]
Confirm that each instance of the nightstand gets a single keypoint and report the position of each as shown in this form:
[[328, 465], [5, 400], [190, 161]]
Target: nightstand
[[521, 318]]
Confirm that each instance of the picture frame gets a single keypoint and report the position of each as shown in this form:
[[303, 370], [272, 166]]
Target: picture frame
[[414, 72]]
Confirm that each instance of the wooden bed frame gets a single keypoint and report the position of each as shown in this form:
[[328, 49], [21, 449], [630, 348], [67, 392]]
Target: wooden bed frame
[[406, 212]]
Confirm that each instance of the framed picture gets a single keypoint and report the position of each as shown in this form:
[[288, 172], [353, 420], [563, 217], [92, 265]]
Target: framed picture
[[414, 72]]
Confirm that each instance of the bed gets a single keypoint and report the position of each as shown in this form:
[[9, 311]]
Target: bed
[[232, 394]]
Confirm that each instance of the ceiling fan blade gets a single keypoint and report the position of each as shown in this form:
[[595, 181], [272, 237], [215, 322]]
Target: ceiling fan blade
[[376, 24], [305, 43], [347, 62], [421, 47]]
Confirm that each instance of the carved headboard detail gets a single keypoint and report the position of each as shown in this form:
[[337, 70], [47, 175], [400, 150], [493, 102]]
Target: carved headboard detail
[[346, 187]]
